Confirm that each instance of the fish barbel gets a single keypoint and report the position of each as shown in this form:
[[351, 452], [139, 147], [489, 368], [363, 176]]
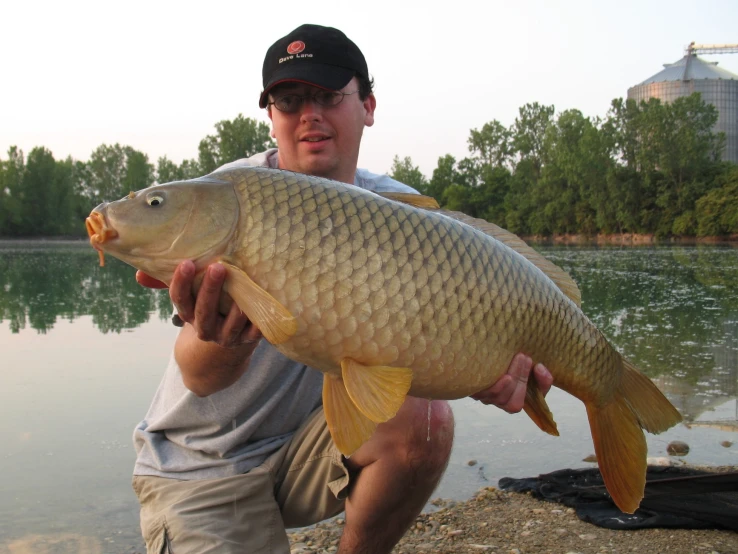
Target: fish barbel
[[389, 296]]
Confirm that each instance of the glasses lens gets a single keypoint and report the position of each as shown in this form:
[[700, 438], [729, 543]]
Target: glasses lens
[[288, 103], [328, 97]]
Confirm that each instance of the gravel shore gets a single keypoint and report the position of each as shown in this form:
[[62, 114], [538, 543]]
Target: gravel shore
[[500, 522]]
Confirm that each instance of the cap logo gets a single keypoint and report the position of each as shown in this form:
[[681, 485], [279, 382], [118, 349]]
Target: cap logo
[[296, 47]]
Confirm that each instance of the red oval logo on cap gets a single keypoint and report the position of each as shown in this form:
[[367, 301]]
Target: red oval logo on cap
[[296, 47]]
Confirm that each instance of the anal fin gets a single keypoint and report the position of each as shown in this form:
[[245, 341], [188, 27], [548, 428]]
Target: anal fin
[[348, 426], [378, 391], [537, 409]]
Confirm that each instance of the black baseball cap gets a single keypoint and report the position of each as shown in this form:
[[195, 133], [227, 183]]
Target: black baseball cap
[[312, 54]]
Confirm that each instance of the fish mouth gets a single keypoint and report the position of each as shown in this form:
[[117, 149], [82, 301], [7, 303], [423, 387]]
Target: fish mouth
[[99, 232]]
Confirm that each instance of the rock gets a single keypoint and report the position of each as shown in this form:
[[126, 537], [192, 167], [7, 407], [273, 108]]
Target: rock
[[591, 458], [726, 444], [677, 448], [661, 461], [471, 463], [588, 537]]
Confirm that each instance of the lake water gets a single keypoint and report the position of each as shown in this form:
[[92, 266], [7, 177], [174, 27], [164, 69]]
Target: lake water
[[82, 349]]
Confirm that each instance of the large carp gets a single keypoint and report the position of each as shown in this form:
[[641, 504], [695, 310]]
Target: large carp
[[389, 296]]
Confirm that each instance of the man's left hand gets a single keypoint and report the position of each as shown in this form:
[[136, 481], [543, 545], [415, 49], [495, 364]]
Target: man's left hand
[[508, 392]]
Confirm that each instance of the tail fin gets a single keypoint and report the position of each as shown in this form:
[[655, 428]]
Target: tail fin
[[618, 439]]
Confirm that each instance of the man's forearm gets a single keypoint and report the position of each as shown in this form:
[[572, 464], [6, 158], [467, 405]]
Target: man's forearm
[[206, 367]]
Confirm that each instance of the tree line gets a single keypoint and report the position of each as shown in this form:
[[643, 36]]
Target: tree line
[[42, 196], [647, 168]]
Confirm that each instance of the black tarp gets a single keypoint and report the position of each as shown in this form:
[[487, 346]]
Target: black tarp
[[674, 497]]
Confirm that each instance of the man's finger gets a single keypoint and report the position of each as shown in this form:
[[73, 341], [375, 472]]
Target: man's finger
[[543, 378], [180, 291], [148, 281], [208, 300]]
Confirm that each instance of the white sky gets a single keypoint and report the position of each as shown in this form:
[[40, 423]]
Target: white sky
[[158, 75]]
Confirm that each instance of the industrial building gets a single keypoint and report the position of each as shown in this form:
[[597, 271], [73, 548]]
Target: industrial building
[[718, 87]]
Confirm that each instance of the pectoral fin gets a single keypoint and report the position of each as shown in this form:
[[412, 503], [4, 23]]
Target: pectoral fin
[[537, 409], [378, 391], [274, 320], [348, 426]]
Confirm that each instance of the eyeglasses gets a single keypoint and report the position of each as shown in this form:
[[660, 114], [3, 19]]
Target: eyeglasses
[[291, 103]]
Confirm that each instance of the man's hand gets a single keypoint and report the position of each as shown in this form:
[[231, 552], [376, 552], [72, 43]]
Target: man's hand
[[201, 311], [212, 350], [508, 392]]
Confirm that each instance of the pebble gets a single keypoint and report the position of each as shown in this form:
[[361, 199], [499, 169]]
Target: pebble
[[660, 461], [591, 458], [726, 444], [677, 448], [471, 463], [588, 537]]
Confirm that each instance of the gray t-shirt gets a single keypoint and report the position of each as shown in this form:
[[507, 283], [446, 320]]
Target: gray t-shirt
[[236, 429]]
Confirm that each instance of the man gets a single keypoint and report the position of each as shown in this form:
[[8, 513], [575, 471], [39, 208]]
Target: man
[[235, 446]]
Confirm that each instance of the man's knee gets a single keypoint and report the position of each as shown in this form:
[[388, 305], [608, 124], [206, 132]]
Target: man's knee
[[430, 433], [421, 434]]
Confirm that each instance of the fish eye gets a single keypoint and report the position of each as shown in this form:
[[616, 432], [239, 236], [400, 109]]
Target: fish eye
[[155, 200]]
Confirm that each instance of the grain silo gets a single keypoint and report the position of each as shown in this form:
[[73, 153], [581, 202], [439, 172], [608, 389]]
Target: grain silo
[[718, 87]]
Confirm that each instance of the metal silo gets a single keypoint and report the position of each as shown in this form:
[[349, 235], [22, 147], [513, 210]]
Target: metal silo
[[718, 87]]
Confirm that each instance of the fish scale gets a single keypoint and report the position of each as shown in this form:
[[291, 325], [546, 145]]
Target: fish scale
[[390, 296]]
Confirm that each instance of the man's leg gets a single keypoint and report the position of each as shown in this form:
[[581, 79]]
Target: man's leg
[[231, 515], [399, 467]]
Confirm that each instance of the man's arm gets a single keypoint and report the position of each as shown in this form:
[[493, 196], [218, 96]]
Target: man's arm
[[212, 351]]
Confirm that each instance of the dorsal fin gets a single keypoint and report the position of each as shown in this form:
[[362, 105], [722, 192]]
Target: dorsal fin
[[412, 199], [560, 277]]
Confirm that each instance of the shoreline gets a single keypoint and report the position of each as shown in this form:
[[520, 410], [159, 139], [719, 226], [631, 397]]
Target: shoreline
[[503, 522], [628, 239], [618, 239]]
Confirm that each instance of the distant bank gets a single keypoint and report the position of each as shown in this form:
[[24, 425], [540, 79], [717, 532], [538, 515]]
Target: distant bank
[[628, 239]]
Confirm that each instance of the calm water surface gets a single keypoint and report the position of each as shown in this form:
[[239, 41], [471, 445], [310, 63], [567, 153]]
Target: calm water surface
[[82, 349]]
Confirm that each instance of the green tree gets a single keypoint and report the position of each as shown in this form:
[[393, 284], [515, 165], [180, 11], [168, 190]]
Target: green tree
[[405, 172], [529, 133], [114, 171], [12, 171], [240, 138], [103, 175], [41, 195], [716, 212], [492, 144], [139, 173], [443, 177]]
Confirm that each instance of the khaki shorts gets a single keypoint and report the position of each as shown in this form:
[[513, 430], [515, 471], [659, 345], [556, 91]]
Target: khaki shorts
[[304, 482]]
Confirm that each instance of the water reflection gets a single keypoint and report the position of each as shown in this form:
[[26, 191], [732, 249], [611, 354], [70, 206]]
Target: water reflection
[[43, 282], [672, 310]]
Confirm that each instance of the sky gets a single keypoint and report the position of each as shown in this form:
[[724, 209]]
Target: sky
[[158, 75]]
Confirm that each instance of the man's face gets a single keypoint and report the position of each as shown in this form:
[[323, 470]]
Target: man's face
[[321, 140]]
